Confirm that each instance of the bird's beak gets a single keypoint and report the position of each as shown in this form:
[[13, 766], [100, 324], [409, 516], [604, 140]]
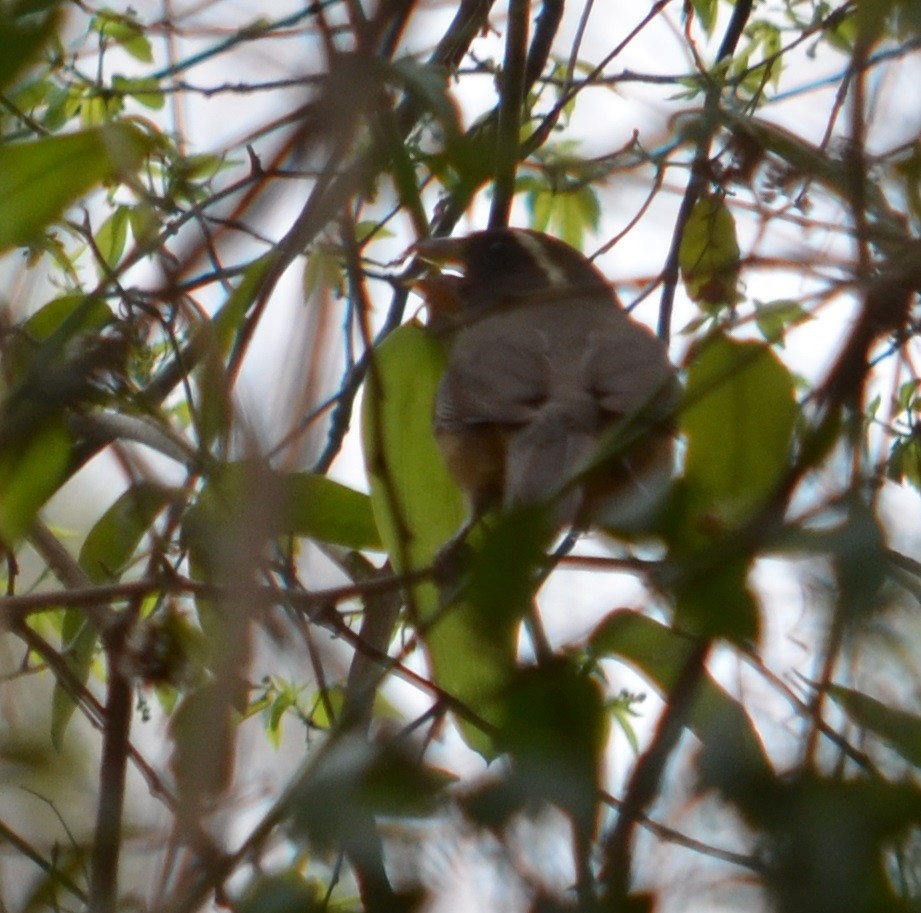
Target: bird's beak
[[441, 290], [442, 251]]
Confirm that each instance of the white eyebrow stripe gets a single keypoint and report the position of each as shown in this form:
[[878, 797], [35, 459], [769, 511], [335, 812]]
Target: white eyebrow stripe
[[555, 273]]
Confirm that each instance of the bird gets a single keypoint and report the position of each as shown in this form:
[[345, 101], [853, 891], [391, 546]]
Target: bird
[[545, 368]]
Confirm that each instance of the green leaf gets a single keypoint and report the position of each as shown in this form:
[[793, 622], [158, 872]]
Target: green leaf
[[100, 107], [858, 548], [282, 892], [144, 223], [472, 641], [579, 210], [25, 28], [114, 538], [901, 729], [202, 729], [56, 373], [328, 707], [126, 32], [709, 253], [907, 19], [418, 509], [712, 596], [905, 461], [774, 318], [200, 167], [111, 237], [872, 15], [322, 271], [555, 728], [706, 13], [230, 316], [660, 654], [145, 91], [908, 393], [738, 419], [540, 203], [417, 505], [829, 840], [70, 314], [213, 413], [322, 509], [570, 211], [39, 179], [623, 711], [31, 469], [298, 504], [427, 85], [499, 577], [350, 780], [78, 641]]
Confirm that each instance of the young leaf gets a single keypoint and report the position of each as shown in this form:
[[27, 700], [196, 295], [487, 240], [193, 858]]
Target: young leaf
[[774, 318], [427, 86], [706, 13], [111, 237], [113, 540], [39, 179], [709, 253], [905, 461], [739, 421], [126, 32], [145, 91]]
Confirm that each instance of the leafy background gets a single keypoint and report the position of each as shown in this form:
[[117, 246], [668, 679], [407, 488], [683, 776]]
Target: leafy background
[[236, 671]]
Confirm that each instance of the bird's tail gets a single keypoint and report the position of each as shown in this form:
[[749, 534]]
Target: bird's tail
[[541, 458]]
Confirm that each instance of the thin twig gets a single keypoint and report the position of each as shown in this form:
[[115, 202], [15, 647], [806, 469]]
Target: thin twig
[[510, 108], [107, 839], [699, 171], [646, 778]]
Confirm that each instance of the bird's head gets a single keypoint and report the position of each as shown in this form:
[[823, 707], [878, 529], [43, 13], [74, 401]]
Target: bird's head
[[504, 267]]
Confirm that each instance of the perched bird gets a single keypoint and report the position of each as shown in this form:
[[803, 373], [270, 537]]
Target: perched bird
[[544, 364]]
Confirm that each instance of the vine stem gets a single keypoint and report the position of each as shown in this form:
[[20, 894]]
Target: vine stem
[[112, 774]]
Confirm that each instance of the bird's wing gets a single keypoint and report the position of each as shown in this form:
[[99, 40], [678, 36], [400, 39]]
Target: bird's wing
[[494, 376], [627, 369], [547, 383]]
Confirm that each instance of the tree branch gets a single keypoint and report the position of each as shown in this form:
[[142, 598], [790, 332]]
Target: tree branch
[[510, 108]]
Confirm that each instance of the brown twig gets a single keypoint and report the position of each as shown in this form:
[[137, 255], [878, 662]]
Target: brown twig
[[646, 778], [508, 131], [107, 839], [699, 171]]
